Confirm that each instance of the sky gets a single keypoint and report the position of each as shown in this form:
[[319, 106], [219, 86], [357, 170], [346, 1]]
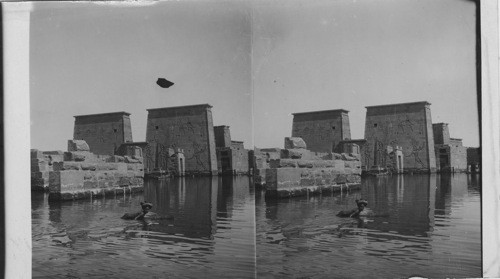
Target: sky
[[255, 62]]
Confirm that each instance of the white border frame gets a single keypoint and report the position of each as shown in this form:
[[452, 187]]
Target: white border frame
[[17, 138]]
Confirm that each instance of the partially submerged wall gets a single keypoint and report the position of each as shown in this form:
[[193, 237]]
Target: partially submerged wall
[[233, 160], [79, 180], [458, 158], [41, 165], [261, 159], [78, 174], [407, 125], [240, 161], [292, 177], [451, 158], [451, 155], [189, 128], [232, 157], [299, 171], [474, 158]]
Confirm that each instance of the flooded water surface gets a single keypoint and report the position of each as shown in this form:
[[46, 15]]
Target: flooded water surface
[[207, 231], [414, 225]]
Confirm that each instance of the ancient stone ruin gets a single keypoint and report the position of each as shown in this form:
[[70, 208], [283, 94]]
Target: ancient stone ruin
[[407, 125], [41, 164], [232, 157], [298, 171], [79, 173], [103, 132], [189, 128]]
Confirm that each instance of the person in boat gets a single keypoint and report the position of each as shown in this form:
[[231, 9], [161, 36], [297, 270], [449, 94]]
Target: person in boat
[[146, 207], [145, 213], [354, 213]]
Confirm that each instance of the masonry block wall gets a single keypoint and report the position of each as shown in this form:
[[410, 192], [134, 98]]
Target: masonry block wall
[[456, 142], [189, 128], [297, 177], [473, 155], [408, 125], [458, 158], [361, 145], [441, 133], [322, 130], [222, 136], [458, 155], [233, 159], [40, 169], [84, 179], [451, 155], [239, 157], [105, 132]]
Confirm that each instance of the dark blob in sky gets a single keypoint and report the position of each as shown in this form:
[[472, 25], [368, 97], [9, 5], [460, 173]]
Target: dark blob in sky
[[163, 83]]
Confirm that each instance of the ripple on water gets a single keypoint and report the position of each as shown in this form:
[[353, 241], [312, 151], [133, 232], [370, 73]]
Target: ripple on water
[[193, 243], [416, 227]]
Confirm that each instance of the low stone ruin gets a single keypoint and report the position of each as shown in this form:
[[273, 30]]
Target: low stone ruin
[[41, 165], [298, 171], [78, 173]]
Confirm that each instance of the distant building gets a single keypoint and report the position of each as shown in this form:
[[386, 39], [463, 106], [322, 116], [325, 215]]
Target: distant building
[[441, 133], [105, 132], [451, 155], [232, 157], [322, 131], [406, 127], [222, 136], [186, 128], [474, 159]]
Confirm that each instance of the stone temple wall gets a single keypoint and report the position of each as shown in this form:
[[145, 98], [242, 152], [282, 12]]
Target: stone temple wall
[[299, 171], [407, 125], [441, 133], [105, 132], [322, 130], [345, 147], [458, 158], [78, 173], [41, 165], [239, 160], [473, 155], [79, 180], [222, 136], [189, 128], [296, 177]]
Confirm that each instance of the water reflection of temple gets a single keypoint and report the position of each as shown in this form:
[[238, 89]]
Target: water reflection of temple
[[443, 194], [192, 205], [474, 181], [412, 203], [187, 204], [407, 201], [232, 193], [225, 193]]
